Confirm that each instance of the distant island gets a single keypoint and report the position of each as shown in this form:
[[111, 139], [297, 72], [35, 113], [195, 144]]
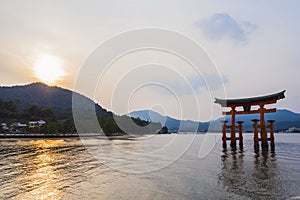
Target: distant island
[[40, 110]]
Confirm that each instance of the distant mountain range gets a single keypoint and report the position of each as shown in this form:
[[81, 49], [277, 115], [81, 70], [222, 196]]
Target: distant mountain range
[[284, 119], [60, 101], [56, 98], [174, 125]]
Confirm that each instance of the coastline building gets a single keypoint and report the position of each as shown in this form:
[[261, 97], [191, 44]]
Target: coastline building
[[34, 124], [17, 127]]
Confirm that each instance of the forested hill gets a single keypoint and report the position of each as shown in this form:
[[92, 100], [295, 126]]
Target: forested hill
[[53, 104], [56, 98]]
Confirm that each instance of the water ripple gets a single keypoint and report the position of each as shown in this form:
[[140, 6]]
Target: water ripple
[[64, 169]]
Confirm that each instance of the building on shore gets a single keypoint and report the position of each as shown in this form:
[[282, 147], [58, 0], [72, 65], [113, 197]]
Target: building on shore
[[293, 130]]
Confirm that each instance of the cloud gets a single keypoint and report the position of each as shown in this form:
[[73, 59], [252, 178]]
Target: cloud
[[209, 81], [193, 84], [222, 25]]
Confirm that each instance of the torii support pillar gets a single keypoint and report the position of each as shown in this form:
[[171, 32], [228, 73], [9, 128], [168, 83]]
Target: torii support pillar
[[272, 138], [240, 126], [255, 138], [224, 134]]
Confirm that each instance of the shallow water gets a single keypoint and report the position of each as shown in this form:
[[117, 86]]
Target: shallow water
[[66, 169]]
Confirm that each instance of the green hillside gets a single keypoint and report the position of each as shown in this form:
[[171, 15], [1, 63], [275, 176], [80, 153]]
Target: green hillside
[[54, 104], [56, 98]]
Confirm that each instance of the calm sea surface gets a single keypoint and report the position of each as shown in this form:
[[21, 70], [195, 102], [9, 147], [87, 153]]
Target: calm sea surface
[[65, 169]]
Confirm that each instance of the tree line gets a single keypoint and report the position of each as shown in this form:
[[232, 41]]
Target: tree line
[[11, 112]]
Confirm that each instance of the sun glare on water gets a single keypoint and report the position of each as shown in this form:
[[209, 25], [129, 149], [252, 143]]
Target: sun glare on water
[[48, 68]]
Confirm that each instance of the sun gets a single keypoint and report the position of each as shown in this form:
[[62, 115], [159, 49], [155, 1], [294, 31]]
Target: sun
[[48, 68]]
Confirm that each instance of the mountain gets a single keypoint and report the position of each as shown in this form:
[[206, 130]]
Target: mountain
[[60, 102], [284, 119], [174, 125], [56, 98], [54, 104]]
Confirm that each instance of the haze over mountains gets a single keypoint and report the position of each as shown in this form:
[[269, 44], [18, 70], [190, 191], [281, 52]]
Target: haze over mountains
[[284, 120], [60, 101]]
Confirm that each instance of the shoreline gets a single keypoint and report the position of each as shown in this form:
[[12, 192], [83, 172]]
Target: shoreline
[[46, 136], [88, 135]]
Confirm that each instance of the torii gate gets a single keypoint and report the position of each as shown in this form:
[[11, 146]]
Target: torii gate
[[246, 103]]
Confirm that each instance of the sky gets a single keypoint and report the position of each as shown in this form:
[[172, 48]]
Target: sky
[[248, 48]]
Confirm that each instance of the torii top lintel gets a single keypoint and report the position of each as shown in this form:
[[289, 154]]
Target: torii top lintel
[[268, 99]]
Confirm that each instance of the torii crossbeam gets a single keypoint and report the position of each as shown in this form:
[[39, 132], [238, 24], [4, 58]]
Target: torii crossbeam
[[246, 104]]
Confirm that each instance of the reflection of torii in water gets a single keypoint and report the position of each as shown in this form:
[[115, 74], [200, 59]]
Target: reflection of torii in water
[[246, 104]]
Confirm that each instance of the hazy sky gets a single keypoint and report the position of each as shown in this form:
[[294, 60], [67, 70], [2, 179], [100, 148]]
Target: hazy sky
[[254, 45]]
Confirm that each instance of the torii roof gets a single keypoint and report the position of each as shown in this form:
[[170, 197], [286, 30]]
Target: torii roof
[[268, 99]]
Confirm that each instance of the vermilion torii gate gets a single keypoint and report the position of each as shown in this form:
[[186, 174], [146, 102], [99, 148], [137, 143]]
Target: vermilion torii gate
[[246, 104]]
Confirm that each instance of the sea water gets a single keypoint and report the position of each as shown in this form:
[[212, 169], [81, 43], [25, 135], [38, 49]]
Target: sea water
[[68, 169]]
